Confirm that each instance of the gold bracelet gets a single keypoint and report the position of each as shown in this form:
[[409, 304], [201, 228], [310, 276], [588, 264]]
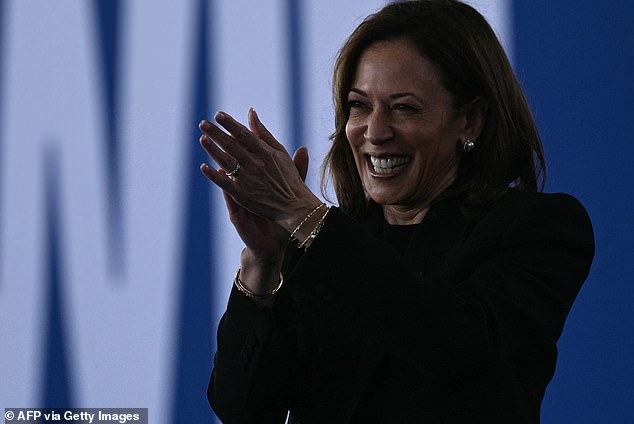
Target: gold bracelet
[[311, 213], [313, 234], [240, 286]]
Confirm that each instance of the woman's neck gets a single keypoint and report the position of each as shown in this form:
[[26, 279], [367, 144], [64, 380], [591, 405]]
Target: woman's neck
[[402, 215]]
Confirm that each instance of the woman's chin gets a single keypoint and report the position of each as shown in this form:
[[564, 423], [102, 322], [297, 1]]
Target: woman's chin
[[385, 190], [384, 198]]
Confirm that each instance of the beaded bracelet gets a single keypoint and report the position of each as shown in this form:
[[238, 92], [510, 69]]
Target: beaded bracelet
[[313, 234], [240, 286], [311, 213]]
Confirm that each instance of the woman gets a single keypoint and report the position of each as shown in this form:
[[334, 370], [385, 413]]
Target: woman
[[438, 288]]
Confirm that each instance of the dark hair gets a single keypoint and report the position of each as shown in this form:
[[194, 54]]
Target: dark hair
[[472, 64]]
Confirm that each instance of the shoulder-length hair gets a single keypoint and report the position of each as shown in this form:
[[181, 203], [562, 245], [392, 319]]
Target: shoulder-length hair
[[472, 64]]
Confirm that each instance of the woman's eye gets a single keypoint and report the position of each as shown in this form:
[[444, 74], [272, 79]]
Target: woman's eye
[[355, 104], [404, 107]]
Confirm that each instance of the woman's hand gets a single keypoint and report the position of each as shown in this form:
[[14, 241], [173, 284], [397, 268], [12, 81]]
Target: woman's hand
[[261, 261], [265, 239], [264, 192], [267, 182]]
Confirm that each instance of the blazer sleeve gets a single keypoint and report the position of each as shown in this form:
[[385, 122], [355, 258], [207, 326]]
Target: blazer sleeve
[[249, 381]]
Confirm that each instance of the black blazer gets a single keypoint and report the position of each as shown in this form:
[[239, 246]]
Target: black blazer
[[460, 328]]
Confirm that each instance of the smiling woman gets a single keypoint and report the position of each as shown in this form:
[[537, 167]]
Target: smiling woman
[[438, 288], [403, 129]]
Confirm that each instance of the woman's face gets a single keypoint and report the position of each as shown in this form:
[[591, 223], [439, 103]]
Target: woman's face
[[403, 129]]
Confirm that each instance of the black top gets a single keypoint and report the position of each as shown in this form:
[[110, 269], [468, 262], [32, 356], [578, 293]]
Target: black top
[[460, 327], [397, 236]]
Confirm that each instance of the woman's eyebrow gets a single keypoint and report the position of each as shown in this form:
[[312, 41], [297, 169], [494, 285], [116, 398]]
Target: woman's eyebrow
[[391, 96], [358, 91], [405, 94]]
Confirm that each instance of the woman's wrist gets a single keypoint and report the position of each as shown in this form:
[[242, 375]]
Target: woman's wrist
[[239, 284], [314, 229], [260, 275], [309, 226], [297, 212]]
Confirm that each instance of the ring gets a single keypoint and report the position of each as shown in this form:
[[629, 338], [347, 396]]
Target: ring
[[234, 171]]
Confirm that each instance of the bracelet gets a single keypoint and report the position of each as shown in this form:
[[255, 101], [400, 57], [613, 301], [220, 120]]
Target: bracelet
[[240, 286], [313, 234], [311, 213]]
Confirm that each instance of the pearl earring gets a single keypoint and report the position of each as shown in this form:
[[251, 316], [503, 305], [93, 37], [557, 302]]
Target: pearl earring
[[468, 146]]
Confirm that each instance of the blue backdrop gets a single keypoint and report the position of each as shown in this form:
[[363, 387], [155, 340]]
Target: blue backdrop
[[116, 257], [576, 61]]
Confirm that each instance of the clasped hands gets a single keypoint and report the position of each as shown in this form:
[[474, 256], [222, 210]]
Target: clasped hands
[[263, 186]]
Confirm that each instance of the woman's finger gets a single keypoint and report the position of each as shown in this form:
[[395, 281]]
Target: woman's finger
[[222, 158], [300, 159], [261, 131], [241, 133], [218, 177], [224, 140]]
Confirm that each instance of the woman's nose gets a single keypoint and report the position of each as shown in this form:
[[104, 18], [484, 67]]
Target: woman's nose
[[378, 129]]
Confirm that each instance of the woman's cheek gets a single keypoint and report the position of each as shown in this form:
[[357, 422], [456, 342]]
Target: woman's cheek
[[354, 131]]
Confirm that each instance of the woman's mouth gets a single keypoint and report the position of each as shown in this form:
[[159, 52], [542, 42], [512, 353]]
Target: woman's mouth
[[387, 166]]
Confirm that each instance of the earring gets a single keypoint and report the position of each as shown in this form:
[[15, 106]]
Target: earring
[[468, 146]]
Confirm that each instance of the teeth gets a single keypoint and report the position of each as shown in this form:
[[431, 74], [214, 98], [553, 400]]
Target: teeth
[[386, 165]]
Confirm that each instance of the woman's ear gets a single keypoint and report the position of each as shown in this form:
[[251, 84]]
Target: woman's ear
[[475, 113]]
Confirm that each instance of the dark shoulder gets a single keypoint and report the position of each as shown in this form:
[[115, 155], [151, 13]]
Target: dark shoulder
[[523, 202], [539, 213]]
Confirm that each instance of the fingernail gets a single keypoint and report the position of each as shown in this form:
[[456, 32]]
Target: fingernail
[[220, 115]]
